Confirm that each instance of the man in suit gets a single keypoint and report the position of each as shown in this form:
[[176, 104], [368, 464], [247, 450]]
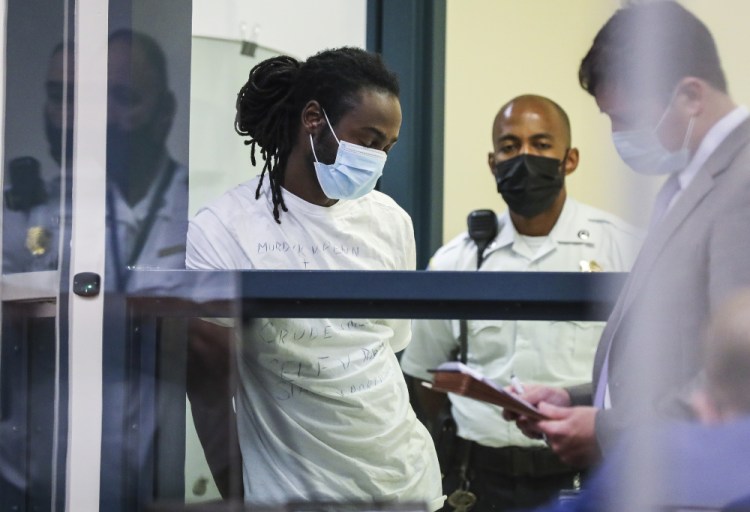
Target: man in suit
[[696, 466], [654, 70]]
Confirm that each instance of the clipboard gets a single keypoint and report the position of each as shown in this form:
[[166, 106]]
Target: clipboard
[[456, 377]]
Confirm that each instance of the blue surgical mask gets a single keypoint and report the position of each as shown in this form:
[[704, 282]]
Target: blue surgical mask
[[643, 152], [355, 171]]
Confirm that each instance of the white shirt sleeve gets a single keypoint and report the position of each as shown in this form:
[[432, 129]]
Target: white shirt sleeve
[[410, 247], [433, 343]]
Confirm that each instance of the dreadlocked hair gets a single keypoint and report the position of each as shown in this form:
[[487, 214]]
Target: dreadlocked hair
[[270, 103], [261, 115]]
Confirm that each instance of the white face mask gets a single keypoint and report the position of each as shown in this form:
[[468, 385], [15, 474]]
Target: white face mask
[[355, 171], [645, 154]]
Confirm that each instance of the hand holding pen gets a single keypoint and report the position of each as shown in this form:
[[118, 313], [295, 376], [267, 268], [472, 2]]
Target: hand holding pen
[[516, 385]]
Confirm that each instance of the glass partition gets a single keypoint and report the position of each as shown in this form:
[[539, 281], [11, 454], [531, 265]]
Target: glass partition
[[218, 158], [36, 184], [38, 135], [289, 397], [297, 392], [218, 162], [147, 160], [212, 383]]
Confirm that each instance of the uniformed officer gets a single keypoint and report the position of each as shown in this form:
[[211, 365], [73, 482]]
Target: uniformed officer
[[147, 194], [543, 230], [31, 216], [148, 190]]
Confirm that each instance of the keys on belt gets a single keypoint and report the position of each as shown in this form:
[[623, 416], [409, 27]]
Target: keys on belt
[[462, 500]]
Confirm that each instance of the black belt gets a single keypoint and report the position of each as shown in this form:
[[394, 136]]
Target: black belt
[[516, 460]]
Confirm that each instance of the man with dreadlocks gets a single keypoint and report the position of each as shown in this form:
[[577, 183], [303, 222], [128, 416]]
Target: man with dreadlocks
[[323, 411]]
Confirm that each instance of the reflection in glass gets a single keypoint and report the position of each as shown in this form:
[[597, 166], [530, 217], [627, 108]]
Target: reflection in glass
[[146, 207], [147, 187], [27, 412], [33, 183], [37, 147]]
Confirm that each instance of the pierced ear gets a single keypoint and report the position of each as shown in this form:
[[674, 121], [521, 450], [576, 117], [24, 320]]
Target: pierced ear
[[312, 117]]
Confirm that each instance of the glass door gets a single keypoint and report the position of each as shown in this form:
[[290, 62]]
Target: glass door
[[36, 160]]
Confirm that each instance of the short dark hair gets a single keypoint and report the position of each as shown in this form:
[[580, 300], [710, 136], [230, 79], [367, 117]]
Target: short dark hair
[[270, 103], [151, 49], [652, 46]]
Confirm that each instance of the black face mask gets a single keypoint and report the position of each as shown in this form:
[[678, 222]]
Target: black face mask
[[131, 155], [55, 136], [529, 184]]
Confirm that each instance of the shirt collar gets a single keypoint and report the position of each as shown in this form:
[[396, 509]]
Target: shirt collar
[[565, 229], [139, 211], [507, 233], [568, 229], [710, 142], [144, 204]]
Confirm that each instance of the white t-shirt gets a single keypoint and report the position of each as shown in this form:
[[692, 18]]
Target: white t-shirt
[[537, 352], [323, 410]]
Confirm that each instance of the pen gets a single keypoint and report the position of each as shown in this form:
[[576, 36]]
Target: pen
[[516, 384]]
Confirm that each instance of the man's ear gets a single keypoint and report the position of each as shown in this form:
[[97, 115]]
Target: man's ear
[[164, 115], [313, 119], [571, 161], [691, 95], [491, 162]]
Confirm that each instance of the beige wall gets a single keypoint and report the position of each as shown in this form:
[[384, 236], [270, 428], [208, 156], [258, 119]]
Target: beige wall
[[497, 49], [728, 22]]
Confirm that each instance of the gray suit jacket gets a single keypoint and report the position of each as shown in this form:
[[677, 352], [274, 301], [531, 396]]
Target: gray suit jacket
[[689, 263]]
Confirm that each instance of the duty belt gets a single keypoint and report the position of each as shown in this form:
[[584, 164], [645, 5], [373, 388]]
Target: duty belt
[[515, 460]]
